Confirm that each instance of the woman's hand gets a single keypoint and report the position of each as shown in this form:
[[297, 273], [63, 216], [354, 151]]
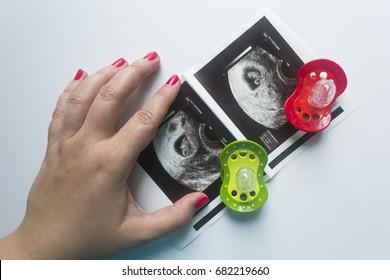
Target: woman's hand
[[79, 205]]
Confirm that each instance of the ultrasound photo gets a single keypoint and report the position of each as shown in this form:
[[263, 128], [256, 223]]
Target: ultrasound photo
[[188, 151], [251, 79], [184, 154], [260, 87]]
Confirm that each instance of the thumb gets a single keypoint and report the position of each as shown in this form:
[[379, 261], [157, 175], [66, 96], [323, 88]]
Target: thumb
[[173, 217]]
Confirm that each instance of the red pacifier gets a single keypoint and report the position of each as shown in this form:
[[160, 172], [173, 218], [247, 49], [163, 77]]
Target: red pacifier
[[320, 82]]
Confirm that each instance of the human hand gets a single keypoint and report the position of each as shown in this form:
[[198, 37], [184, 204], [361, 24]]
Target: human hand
[[80, 205]]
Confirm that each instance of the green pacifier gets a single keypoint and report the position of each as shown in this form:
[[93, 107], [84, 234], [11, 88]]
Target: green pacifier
[[242, 167]]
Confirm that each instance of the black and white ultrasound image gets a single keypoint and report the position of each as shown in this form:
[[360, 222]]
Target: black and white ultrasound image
[[188, 151], [260, 87], [184, 154], [251, 79]]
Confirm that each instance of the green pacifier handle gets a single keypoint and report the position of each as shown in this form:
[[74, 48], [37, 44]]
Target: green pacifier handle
[[242, 167]]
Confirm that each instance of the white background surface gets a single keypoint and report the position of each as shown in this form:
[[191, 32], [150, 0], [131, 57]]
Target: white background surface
[[331, 202]]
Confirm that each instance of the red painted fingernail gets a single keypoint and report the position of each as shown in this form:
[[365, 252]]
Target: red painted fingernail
[[79, 74], [119, 62], [201, 202], [150, 56], [172, 80]]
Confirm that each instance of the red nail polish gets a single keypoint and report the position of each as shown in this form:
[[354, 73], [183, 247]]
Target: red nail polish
[[119, 62], [201, 202], [79, 74], [172, 80], [150, 56]]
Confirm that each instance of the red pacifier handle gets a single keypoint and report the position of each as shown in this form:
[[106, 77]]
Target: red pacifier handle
[[320, 82]]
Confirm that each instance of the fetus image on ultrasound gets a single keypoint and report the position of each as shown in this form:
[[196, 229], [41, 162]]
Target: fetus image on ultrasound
[[188, 151], [260, 88]]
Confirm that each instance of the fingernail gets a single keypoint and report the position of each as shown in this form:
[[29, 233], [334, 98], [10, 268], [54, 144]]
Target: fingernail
[[201, 202], [172, 80], [150, 56], [79, 74], [119, 62]]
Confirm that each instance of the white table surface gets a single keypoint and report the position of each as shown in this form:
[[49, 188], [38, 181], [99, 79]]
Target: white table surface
[[331, 202]]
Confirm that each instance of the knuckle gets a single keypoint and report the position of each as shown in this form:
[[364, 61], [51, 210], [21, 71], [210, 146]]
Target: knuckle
[[146, 116], [57, 113], [109, 92], [75, 98]]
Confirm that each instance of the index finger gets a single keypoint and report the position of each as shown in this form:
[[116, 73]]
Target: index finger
[[140, 129]]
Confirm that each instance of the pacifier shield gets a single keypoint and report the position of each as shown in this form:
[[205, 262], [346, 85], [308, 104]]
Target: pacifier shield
[[242, 167], [320, 82]]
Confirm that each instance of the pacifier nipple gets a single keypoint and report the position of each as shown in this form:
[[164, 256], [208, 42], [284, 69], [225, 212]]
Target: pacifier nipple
[[246, 180], [322, 93]]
